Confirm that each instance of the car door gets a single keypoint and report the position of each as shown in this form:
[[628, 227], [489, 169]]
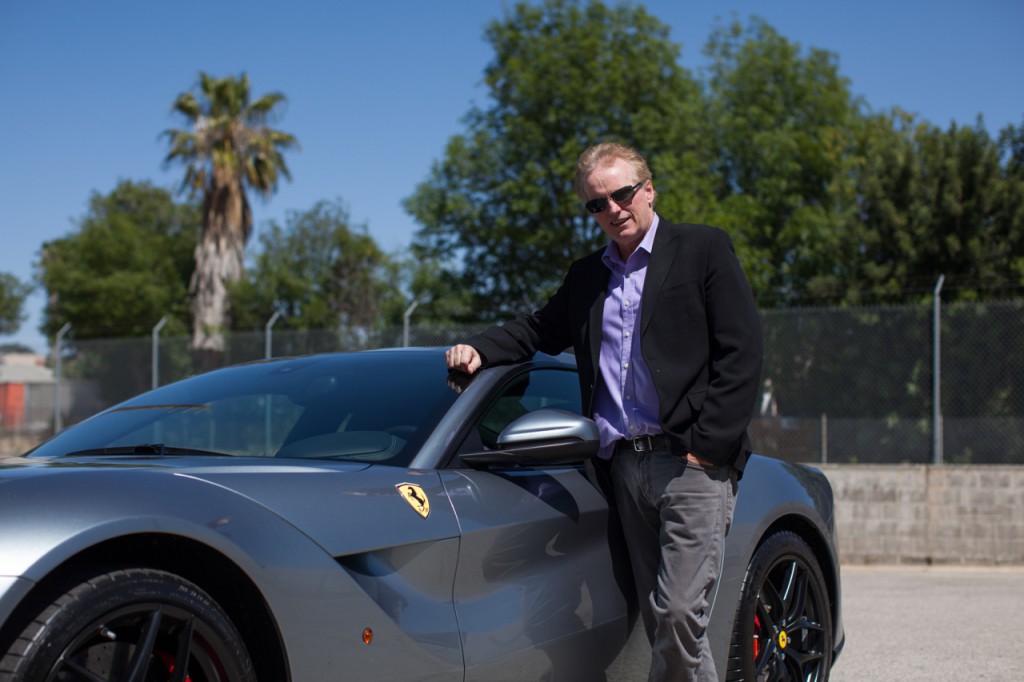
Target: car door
[[536, 594]]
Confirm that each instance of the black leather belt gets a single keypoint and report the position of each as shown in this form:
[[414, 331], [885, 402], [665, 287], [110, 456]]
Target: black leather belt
[[641, 443]]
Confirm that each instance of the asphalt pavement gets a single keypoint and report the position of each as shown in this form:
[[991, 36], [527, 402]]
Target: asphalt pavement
[[925, 623]]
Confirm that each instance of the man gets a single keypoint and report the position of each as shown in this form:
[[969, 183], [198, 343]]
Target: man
[[668, 344]]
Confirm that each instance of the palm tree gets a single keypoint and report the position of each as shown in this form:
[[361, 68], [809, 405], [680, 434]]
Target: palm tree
[[228, 149]]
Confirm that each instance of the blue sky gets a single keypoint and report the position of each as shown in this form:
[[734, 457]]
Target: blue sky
[[375, 89]]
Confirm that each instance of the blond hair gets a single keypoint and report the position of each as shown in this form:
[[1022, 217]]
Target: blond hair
[[605, 154]]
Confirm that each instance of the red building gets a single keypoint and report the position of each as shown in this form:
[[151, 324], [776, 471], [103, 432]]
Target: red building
[[21, 374]]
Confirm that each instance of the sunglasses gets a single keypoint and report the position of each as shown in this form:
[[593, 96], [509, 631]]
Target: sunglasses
[[623, 195]]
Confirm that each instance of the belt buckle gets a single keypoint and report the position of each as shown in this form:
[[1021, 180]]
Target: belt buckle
[[642, 444]]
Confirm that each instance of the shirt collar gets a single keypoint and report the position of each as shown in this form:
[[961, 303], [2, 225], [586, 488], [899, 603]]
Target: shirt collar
[[611, 257]]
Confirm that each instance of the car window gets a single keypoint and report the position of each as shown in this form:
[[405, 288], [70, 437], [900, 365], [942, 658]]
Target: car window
[[249, 424], [526, 392], [374, 407]]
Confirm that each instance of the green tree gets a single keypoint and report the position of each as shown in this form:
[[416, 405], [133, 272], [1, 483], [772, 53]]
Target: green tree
[[930, 203], [319, 271], [1009, 203], [12, 299], [825, 201], [441, 299], [127, 266], [971, 236], [498, 211], [228, 149], [782, 119]]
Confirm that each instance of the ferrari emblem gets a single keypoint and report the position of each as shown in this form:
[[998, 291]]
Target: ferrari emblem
[[416, 498], [783, 639]]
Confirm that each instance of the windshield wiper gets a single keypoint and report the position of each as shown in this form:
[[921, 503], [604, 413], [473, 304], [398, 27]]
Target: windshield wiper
[[158, 449], [178, 406]]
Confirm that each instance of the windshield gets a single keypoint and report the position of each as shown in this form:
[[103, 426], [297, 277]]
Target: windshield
[[372, 407]]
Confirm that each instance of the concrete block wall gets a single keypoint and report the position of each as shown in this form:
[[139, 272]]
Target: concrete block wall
[[914, 514]]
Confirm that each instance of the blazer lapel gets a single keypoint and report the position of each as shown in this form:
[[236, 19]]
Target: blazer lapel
[[593, 333], [663, 255]]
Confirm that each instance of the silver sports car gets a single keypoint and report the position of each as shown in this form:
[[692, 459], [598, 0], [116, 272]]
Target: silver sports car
[[366, 516]]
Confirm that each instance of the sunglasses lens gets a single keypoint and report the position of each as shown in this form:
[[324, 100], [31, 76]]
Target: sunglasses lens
[[622, 194], [619, 196]]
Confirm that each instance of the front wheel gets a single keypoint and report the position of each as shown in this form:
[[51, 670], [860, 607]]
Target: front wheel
[[129, 625], [783, 626]]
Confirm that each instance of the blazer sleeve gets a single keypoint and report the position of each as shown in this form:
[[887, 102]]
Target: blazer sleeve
[[547, 329]]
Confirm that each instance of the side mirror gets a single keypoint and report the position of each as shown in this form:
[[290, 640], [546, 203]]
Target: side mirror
[[541, 437]]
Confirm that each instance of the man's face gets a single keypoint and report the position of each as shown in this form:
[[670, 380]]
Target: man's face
[[627, 223]]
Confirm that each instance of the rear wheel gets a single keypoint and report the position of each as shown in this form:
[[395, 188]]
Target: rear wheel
[[129, 625], [783, 626]]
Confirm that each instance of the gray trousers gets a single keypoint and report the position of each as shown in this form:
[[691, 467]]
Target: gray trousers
[[674, 516]]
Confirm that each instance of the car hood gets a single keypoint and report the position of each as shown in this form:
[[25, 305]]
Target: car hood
[[17, 467], [338, 505]]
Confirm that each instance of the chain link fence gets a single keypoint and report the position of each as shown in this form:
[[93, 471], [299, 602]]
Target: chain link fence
[[856, 385], [98, 373], [840, 385]]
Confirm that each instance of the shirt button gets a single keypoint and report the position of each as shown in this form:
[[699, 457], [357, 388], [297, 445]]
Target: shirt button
[[625, 365], [629, 397], [626, 303], [627, 334]]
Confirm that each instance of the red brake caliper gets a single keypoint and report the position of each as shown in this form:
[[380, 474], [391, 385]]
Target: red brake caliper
[[169, 662], [757, 637]]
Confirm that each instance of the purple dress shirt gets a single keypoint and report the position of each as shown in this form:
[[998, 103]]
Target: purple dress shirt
[[626, 403]]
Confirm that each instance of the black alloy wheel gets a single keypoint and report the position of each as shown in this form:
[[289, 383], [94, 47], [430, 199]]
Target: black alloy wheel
[[783, 626], [129, 625]]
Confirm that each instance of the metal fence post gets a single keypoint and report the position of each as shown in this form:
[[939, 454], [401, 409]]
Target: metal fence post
[[405, 321], [58, 407], [937, 455], [156, 350], [268, 409], [824, 438], [268, 334]]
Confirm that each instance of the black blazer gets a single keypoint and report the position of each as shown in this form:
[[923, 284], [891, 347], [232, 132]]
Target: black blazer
[[700, 337]]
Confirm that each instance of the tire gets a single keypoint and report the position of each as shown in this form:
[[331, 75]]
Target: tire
[[783, 625], [128, 625]]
